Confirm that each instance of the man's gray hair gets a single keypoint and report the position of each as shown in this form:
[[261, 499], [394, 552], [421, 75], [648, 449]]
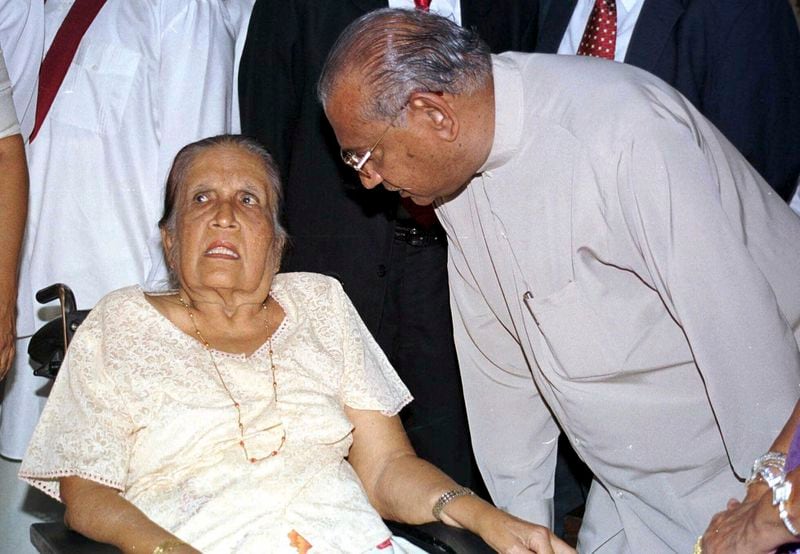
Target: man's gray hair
[[398, 52]]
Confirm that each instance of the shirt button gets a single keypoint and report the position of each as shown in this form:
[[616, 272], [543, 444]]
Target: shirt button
[[381, 270]]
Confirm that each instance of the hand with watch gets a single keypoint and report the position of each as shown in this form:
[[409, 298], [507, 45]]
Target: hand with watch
[[768, 517]]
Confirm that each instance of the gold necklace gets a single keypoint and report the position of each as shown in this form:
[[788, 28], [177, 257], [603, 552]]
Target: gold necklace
[[236, 405]]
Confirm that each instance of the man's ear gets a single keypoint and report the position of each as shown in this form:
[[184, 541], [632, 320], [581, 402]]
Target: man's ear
[[436, 111]]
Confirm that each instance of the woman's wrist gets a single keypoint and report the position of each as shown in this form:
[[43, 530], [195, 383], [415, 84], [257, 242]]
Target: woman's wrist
[[169, 545], [448, 497], [466, 511]]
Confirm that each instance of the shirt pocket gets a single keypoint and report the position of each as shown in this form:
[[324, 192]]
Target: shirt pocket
[[577, 339], [95, 92]]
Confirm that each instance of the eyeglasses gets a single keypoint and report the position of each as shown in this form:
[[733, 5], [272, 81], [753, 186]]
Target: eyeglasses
[[356, 161]]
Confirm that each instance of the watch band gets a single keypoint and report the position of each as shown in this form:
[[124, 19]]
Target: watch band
[[772, 459], [780, 497]]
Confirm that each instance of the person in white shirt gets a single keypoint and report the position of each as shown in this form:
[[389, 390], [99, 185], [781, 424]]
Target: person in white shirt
[[147, 78]]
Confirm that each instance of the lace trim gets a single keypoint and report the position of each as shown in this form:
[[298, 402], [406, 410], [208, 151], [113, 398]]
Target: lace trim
[[47, 481]]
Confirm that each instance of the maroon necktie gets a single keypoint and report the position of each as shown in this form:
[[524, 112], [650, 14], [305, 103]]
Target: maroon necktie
[[423, 5], [60, 54], [600, 37]]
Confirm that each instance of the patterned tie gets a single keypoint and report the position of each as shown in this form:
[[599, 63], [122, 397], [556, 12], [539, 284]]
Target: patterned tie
[[600, 37], [423, 5]]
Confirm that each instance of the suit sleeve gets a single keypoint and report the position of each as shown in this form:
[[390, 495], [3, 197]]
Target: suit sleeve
[[752, 89], [270, 77], [513, 434], [195, 75], [708, 249]]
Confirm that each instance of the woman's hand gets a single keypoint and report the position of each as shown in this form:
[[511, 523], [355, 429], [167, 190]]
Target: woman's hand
[[748, 527], [510, 535]]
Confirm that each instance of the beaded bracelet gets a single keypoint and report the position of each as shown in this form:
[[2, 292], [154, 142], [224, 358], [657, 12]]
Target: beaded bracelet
[[448, 497]]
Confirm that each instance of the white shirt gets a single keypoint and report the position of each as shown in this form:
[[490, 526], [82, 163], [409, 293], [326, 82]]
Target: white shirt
[[8, 117], [627, 14], [148, 78], [451, 9], [240, 11], [22, 42]]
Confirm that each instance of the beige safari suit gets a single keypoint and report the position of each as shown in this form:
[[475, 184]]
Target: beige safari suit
[[617, 266]]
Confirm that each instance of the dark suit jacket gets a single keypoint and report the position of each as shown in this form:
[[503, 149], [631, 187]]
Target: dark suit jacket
[[337, 227], [737, 61]]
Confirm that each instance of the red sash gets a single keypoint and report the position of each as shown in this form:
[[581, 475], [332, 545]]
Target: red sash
[[60, 55]]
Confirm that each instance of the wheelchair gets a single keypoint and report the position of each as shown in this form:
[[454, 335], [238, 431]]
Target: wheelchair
[[46, 350]]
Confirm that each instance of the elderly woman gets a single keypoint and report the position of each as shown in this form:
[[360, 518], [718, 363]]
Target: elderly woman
[[245, 411]]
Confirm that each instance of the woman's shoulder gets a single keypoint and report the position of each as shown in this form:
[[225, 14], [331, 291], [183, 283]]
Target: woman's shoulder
[[306, 284], [126, 298], [116, 312], [125, 304], [309, 296]]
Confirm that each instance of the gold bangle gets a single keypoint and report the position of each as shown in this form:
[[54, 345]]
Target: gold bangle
[[168, 546], [698, 546]]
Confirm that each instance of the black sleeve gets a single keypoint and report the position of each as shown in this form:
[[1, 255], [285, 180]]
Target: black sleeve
[[270, 83]]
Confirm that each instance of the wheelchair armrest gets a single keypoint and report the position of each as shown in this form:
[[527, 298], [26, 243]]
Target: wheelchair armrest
[[436, 538], [55, 538]]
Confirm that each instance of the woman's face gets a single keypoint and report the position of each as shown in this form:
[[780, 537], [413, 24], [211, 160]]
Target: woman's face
[[223, 237]]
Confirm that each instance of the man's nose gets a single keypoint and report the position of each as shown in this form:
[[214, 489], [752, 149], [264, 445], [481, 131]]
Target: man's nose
[[370, 179]]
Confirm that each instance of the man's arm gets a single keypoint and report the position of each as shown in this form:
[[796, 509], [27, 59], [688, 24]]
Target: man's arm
[[513, 434], [13, 213], [708, 248]]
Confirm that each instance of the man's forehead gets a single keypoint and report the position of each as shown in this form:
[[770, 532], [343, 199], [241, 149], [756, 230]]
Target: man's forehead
[[345, 113], [347, 95]]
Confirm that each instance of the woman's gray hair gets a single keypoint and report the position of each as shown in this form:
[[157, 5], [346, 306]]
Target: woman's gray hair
[[183, 162], [398, 52]]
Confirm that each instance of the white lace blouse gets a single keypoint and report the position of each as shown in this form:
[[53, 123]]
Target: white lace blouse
[[138, 406]]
